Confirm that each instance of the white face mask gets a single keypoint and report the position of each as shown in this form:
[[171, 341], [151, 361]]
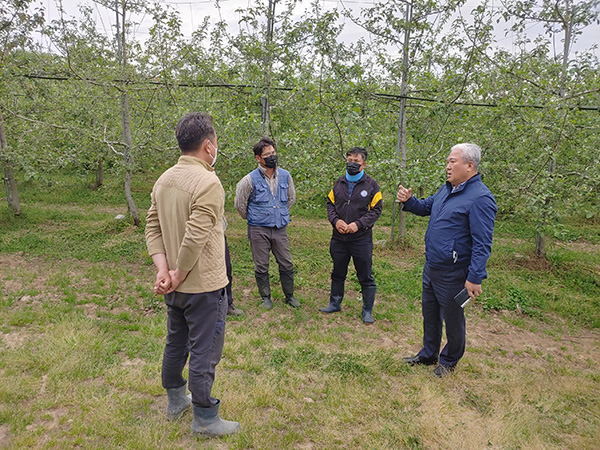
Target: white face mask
[[214, 160]]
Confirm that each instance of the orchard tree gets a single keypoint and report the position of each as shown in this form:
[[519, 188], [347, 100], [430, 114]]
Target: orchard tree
[[412, 28], [566, 19], [17, 21], [79, 42]]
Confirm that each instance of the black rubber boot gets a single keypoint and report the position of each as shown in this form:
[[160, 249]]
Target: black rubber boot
[[264, 289], [207, 422], [287, 284], [179, 402], [368, 301], [335, 298]]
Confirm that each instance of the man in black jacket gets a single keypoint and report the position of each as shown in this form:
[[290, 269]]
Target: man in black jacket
[[353, 206]]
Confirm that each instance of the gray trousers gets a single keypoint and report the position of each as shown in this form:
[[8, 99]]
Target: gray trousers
[[263, 240], [195, 328]]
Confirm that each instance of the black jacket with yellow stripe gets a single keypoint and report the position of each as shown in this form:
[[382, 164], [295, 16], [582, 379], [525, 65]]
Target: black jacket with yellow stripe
[[363, 207]]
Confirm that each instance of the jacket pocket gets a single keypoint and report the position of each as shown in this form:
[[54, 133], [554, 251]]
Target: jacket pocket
[[257, 215], [284, 216], [283, 191], [261, 194], [443, 253]]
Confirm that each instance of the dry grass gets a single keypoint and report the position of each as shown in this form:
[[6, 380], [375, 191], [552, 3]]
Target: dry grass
[[81, 345]]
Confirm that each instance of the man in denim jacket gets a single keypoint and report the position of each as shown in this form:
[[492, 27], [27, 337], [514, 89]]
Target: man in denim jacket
[[264, 198], [458, 243]]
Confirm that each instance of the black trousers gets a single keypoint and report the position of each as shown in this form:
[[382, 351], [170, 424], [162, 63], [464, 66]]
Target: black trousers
[[439, 307], [229, 269], [361, 253], [196, 328]]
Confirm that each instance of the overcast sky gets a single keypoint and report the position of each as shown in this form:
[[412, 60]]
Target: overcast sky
[[192, 13]]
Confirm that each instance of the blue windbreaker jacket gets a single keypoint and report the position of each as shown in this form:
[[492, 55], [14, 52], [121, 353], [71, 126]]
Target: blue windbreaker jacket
[[460, 227]]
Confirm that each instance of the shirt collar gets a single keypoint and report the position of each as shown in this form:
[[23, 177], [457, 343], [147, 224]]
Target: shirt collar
[[263, 171], [460, 187]]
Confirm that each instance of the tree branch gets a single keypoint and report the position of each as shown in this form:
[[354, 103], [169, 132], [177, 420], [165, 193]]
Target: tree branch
[[562, 126]]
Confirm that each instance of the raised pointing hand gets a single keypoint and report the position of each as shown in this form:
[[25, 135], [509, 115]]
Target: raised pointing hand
[[403, 194]]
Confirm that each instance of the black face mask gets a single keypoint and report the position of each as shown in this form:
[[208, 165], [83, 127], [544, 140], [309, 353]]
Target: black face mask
[[271, 161], [353, 168]]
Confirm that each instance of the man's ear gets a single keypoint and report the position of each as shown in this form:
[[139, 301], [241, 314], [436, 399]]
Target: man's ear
[[205, 147]]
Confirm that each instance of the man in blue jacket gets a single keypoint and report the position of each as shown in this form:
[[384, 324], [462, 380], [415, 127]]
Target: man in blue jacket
[[264, 197], [458, 243], [353, 206]]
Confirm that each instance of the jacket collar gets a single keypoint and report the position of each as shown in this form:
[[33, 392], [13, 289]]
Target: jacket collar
[[463, 186], [192, 160], [363, 178]]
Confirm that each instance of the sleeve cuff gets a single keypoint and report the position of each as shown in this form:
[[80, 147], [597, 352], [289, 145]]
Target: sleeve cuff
[[474, 279], [410, 202]]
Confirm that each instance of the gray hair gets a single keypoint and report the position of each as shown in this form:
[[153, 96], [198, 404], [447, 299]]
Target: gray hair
[[470, 152]]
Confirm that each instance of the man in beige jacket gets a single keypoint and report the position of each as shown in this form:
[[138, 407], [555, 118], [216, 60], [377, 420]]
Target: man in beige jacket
[[184, 235]]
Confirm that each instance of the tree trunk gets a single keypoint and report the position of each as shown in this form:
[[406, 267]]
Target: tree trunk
[[567, 25], [99, 174], [12, 193], [127, 155], [401, 151], [266, 97], [540, 245]]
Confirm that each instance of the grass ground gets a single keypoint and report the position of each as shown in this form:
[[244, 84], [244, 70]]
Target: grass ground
[[81, 339]]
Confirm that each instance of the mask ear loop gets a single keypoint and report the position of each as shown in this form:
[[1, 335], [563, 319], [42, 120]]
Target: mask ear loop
[[214, 160]]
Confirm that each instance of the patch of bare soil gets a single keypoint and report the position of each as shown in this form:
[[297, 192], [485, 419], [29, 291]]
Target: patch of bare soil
[[36, 274], [4, 436], [136, 362], [503, 241], [579, 246], [98, 210], [513, 343], [315, 224], [14, 339], [32, 274], [533, 263], [49, 419]]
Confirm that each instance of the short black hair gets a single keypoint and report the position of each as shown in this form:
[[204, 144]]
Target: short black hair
[[260, 145], [358, 151], [192, 129]]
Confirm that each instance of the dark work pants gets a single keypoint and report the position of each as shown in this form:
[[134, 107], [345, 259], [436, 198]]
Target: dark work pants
[[195, 327], [439, 307], [229, 269], [361, 253], [263, 240]]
